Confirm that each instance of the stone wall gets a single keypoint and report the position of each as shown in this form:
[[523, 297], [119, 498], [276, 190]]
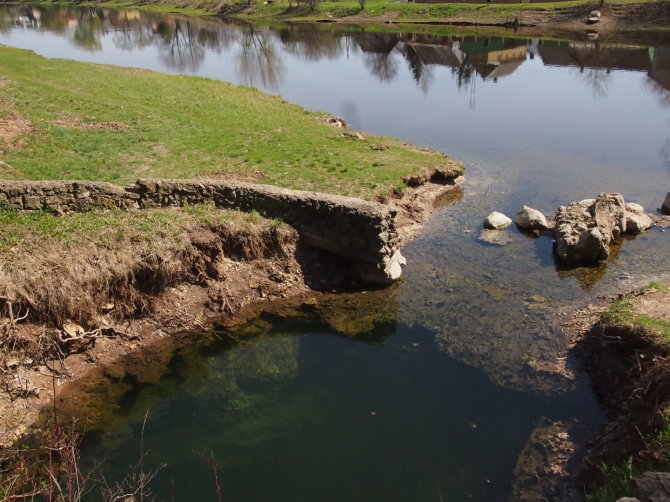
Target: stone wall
[[362, 231]]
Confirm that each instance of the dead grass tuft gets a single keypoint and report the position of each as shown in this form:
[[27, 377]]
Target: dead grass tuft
[[89, 123], [12, 124]]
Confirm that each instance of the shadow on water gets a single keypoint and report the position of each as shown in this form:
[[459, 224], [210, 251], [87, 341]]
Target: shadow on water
[[332, 398]]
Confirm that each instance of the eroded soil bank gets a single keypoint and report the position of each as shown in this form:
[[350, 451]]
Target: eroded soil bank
[[623, 342]]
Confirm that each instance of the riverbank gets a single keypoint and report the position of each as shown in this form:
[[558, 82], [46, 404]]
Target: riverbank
[[548, 17], [623, 341]]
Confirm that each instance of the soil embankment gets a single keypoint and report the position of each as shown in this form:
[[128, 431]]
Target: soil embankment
[[553, 18]]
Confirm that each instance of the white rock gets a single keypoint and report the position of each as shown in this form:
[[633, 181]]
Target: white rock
[[638, 222], [399, 258], [632, 207], [530, 219], [496, 221]]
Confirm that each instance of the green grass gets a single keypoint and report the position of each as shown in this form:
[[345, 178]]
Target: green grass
[[624, 313], [181, 127], [618, 478], [29, 232], [482, 12], [618, 482]]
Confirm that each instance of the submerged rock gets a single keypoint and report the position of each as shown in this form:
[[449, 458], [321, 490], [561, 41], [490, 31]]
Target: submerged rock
[[585, 230], [543, 467], [530, 219], [497, 221], [495, 237]]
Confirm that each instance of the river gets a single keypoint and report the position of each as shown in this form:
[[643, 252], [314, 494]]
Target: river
[[429, 390]]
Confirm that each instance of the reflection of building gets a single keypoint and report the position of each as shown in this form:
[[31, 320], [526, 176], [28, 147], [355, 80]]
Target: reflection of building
[[377, 43], [654, 61], [491, 58], [594, 55], [444, 55], [494, 58]]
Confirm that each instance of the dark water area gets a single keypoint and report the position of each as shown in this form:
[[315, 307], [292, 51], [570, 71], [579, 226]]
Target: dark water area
[[541, 122], [298, 410]]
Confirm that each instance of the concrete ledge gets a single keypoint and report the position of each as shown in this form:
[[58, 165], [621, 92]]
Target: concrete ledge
[[364, 232]]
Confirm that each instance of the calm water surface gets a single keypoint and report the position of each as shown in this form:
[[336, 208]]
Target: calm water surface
[[441, 403]]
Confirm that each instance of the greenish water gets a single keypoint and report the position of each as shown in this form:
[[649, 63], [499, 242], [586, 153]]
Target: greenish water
[[301, 413]]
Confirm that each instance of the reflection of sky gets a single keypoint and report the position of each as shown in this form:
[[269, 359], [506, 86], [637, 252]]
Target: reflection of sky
[[545, 125]]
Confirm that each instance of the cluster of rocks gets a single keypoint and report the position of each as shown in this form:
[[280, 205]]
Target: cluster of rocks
[[584, 230]]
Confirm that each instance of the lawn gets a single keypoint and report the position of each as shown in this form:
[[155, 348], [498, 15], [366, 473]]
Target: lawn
[[67, 120]]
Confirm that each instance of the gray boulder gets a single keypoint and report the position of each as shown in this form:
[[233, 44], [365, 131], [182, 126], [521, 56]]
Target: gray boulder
[[652, 487], [496, 221], [637, 221], [665, 208], [585, 230], [530, 219]]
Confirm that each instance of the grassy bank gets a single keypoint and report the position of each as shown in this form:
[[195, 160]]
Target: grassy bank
[[62, 119], [570, 14], [632, 367]]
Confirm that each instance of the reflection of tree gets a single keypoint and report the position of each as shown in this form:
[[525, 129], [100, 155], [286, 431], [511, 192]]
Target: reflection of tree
[[181, 50], [259, 60], [382, 65], [599, 79], [464, 74], [311, 44], [87, 32], [663, 93], [130, 34], [421, 72], [5, 20], [218, 38]]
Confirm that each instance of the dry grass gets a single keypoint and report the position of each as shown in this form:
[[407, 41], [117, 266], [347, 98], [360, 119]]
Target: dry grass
[[88, 123], [12, 124], [73, 268]]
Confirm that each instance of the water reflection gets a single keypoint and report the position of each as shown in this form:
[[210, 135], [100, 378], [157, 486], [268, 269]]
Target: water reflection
[[259, 53], [259, 61]]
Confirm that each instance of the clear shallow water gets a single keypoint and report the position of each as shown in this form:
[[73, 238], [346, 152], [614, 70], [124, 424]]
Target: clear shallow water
[[536, 122]]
